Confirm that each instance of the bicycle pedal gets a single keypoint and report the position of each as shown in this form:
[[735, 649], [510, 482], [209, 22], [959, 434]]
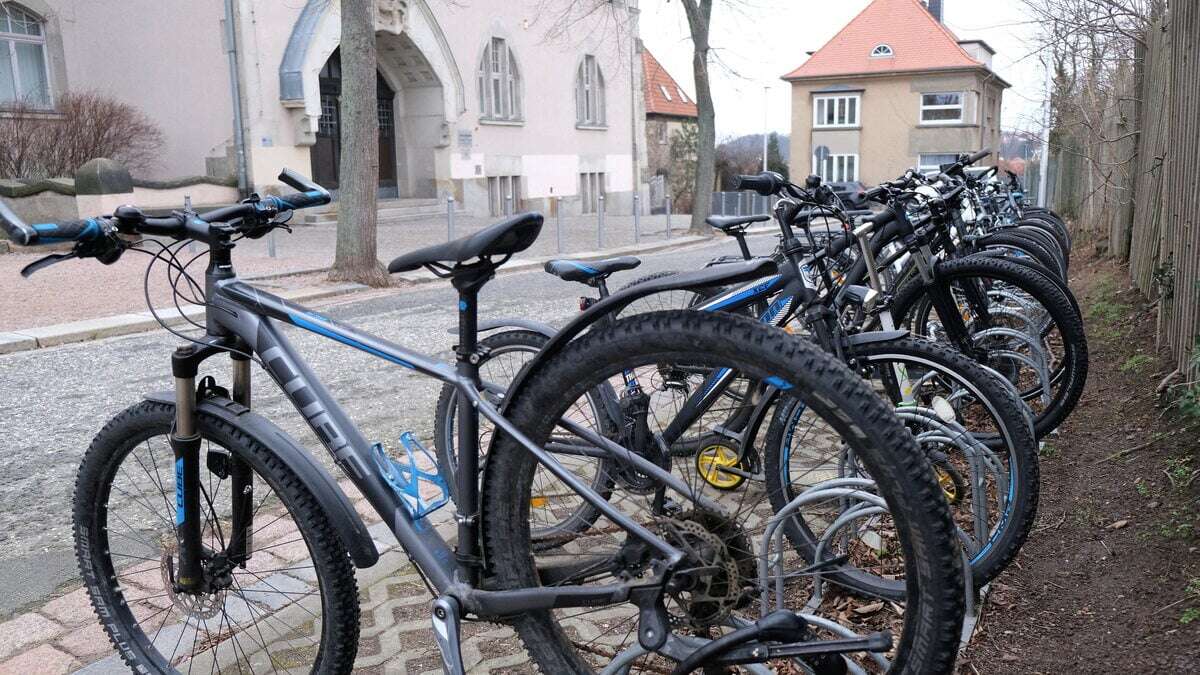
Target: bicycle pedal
[[406, 478]]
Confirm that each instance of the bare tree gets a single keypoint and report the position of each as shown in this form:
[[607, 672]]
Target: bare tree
[[355, 257], [699, 17], [1091, 46], [84, 126]]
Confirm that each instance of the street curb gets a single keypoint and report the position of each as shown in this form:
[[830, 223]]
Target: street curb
[[28, 339], [125, 324]]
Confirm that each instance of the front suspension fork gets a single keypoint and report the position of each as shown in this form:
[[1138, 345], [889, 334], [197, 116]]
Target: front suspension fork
[[185, 445], [189, 514]]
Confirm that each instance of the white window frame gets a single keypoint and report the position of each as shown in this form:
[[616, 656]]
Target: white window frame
[[882, 51], [821, 104], [12, 39], [666, 94], [499, 81], [931, 168], [590, 112], [960, 107], [836, 168]]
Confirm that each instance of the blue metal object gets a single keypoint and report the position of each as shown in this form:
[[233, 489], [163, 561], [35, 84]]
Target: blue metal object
[[405, 477]]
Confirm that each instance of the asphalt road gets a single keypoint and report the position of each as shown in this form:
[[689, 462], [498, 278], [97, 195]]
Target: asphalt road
[[54, 400]]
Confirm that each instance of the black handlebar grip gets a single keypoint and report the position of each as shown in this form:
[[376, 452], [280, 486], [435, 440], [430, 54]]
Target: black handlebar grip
[[310, 193], [880, 219], [765, 183], [875, 193], [839, 244], [978, 156]]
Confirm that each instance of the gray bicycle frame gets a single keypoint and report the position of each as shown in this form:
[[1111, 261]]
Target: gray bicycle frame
[[240, 315]]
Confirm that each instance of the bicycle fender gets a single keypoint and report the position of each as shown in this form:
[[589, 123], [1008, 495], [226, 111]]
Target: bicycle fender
[[342, 516], [512, 322], [720, 275], [873, 336]]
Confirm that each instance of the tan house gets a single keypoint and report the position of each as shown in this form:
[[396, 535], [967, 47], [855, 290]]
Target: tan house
[[668, 107], [895, 88]]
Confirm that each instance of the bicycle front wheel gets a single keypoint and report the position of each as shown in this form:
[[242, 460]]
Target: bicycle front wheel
[[286, 600]]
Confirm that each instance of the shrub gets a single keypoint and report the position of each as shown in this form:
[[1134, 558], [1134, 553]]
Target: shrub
[[83, 126]]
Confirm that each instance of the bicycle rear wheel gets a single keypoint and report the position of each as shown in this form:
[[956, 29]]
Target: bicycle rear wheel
[[289, 602]]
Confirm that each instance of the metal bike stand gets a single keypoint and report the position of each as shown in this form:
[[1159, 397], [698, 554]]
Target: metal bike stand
[[449, 217]]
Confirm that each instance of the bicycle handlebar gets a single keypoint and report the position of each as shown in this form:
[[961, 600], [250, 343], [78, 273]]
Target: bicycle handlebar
[[131, 220]]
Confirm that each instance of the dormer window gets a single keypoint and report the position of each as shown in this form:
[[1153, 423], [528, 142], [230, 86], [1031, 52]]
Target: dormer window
[[882, 51]]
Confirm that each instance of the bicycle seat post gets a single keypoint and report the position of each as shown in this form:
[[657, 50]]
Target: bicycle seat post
[[467, 280]]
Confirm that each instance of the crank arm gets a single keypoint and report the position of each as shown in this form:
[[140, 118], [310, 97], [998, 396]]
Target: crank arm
[[446, 630]]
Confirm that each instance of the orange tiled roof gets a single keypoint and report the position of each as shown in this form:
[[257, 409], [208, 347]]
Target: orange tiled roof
[[918, 42], [656, 79]]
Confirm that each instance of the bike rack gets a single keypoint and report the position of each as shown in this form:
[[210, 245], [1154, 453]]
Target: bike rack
[[1041, 367]]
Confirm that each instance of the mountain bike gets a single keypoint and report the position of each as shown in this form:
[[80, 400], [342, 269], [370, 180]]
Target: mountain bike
[[208, 538]]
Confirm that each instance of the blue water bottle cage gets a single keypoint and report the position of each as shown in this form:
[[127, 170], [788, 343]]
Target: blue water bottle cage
[[405, 477]]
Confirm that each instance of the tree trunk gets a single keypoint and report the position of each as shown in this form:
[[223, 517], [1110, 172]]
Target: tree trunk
[[699, 15], [358, 178]]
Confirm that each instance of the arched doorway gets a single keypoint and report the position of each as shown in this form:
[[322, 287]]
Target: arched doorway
[[327, 151]]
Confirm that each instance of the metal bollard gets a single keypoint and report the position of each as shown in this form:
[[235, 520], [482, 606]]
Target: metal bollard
[[187, 206], [558, 221], [508, 205], [271, 244], [637, 219], [600, 222], [450, 218], [668, 217]]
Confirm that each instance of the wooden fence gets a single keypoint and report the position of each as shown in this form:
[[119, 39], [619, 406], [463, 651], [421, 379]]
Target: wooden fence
[[1139, 185]]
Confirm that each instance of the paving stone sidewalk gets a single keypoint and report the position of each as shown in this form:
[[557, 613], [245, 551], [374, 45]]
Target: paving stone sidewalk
[[63, 635]]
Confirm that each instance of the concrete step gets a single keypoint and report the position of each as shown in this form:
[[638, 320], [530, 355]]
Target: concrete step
[[390, 210]]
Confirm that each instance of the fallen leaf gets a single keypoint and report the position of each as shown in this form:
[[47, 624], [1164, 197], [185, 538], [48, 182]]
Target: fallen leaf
[[1118, 525], [869, 609]]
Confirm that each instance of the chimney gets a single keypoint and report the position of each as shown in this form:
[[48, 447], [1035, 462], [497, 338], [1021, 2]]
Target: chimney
[[935, 8]]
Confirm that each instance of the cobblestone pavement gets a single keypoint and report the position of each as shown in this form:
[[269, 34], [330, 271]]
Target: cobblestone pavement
[[85, 289], [60, 396]]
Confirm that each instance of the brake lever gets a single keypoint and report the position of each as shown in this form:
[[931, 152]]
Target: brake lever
[[42, 263]]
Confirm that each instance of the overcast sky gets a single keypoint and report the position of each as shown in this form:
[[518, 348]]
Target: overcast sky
[[757, 41]]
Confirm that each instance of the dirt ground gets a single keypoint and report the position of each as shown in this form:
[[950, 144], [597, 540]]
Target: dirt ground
[[1109, 581]]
